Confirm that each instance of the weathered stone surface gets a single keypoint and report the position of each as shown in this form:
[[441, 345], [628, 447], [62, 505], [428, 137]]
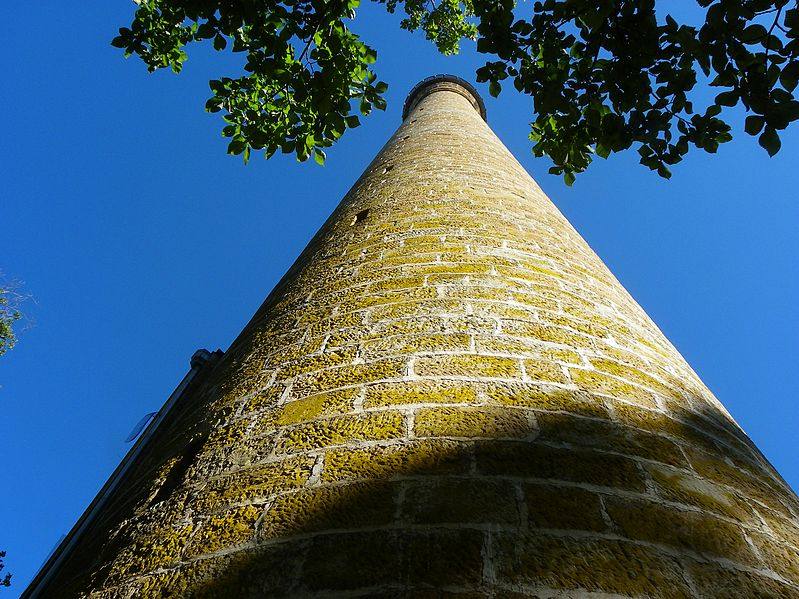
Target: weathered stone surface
[[594, 565], [565, 508], [535, 461], [685, 529], [447, 396], [713, 580], [490, 422], [458, 501]]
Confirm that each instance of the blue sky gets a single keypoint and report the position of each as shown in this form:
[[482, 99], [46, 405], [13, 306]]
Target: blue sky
[[141, 241]]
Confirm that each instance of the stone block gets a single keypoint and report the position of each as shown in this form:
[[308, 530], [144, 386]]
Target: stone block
[[488, 422]]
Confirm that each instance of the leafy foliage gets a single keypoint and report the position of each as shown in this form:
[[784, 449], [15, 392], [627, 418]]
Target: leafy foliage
[[303, 69], [5, 581], [8, 316], [604, 75]]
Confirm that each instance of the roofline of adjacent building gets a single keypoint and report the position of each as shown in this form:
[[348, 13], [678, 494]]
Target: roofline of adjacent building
[[201, 361]]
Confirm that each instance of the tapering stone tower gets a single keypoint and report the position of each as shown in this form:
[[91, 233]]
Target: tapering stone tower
[[447, 395]]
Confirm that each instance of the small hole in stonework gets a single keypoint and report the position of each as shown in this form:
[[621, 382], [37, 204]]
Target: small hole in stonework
[[388, 168], [360, 217], [406, 137]]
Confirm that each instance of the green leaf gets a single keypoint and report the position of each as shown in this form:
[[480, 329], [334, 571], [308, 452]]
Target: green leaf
[[753, 34], [770, 141], [602, 151], [568, 178], [754, 124], [365, 107], [586, 68], [790, 75], [236, 146], [213, 105], [727, 98], [319, 156]]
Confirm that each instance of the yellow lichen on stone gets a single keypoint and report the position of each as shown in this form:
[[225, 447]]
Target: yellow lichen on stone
[[596, 382], [347, 376], [681, 529], [717, 470], [407, 345], [582, 565], [416, 308], [779, 556], [633, 375], [544, 370], [465, 365], [448, 394], [256, 482], [681, 487], [608, 435], [330, 403], [495, 423], [659, 422], [318, 362], [159, 547], [340, 430], [550, 334], [329, 508], [415, 458], [418, 392], [235, 527]]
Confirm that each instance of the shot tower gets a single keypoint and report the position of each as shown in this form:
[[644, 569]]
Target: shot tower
[[447, 395]]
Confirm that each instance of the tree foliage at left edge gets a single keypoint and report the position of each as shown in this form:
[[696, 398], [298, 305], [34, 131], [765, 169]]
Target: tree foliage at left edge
[[9, 314], [5, 579], [604, 75]]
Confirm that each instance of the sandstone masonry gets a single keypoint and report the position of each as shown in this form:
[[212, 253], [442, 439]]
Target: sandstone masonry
[[448, 394]]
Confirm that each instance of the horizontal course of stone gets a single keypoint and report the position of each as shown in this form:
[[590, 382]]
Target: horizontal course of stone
[[448, 395]]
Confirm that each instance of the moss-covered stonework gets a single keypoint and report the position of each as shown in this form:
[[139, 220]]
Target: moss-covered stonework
[[448, 396]]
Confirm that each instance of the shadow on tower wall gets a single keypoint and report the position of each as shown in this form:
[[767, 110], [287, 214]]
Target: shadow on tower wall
[[656, 507]]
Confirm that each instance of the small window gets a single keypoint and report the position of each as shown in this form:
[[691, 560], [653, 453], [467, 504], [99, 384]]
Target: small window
[[388, 168], [406, 137], [360, 217]]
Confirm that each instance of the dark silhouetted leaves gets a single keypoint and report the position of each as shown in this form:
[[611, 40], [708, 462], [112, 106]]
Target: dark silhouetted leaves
[[5, 579], [770, 140], [754, 124]]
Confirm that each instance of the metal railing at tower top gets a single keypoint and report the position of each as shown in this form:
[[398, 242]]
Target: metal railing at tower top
[[416, 93]]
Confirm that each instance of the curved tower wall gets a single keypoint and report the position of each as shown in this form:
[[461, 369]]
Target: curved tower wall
[[447, 394]]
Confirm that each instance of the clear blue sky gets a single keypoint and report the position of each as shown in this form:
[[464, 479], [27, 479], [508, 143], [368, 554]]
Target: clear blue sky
[[141, 241]]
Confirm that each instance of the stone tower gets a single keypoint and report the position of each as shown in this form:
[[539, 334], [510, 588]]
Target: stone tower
[[447, 395]]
